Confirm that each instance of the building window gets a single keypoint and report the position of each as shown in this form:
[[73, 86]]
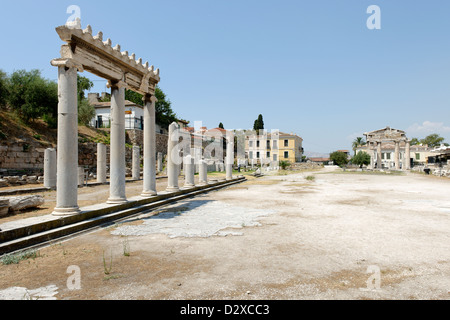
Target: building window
[[417, 156], [250, 144], [268, 154], [275, 144], [286, 154], [257, 155], [275, 158], [257, 144], [250, 155], [388, 156], [268, 144], [286, 143], [383, 156]]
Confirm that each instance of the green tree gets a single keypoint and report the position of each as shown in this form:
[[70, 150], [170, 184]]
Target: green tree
[[32, 96], [163, 107], [339, 158], [361, 159], [3, 88], [259, 124], [415, 141], [358, 142], [86, 112], [83, 84], [433, 140], [135, 97], [221, 126]]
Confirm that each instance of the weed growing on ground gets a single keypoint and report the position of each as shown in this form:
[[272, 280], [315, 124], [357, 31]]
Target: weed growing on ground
[[17, 257], [107, 270], [126, 247]]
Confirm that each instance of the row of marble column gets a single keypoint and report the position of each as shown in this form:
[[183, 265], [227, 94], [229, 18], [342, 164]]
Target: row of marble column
[[67, 155], [406, 158]]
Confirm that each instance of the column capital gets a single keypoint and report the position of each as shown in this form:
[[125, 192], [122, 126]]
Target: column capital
[[149, 98], [68, 63], [116, 84]]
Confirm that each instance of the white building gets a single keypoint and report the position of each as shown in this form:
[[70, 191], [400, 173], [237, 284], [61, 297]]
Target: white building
[[134, 115]]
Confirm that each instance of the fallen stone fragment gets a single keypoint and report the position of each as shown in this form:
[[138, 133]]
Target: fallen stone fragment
[[25, 202]]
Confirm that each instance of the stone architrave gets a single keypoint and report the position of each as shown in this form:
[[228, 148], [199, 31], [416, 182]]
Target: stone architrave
[[50, 168], [117, 169], [67, 155], [136, 160], [173, 161], [101, 163], [203, 173]]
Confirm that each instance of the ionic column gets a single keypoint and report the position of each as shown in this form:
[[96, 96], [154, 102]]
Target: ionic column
[[189, 172], [407, 158], [397, 155], [50, 168], [203, 173], [173, 155], [136, 161], [67, 156], [372, 154], [117, 171], [81, 176], [379, 162], [230, 156], [149, 185], [101, 163], [160, 162]]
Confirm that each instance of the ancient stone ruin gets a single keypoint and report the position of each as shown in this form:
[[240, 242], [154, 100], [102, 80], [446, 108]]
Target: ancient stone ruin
[[85, 52]]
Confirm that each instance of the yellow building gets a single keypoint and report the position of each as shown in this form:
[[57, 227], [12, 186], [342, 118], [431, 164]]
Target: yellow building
[[274, 147]]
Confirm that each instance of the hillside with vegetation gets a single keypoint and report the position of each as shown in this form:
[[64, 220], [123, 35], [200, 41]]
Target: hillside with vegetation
[[29, 110]]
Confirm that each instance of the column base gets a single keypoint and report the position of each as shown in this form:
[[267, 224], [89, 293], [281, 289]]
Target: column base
[[188, 186], [173, 189], [60, 212], [117, 201], [149, 194]]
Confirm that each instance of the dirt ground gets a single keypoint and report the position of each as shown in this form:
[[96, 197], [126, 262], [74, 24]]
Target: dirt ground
[[334, 236]]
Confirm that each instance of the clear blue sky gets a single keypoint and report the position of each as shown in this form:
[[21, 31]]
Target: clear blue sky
[[310, 67]]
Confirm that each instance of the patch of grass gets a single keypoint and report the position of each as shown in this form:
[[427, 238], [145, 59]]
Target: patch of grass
[[17, 257], [310, 178], [126, 247], [107, 270]]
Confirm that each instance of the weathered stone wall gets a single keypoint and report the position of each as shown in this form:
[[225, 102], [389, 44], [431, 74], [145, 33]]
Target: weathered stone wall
[[137, 137], [21, 156]]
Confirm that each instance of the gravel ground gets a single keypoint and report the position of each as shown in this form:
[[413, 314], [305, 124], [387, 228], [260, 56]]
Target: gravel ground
[[336, 236]]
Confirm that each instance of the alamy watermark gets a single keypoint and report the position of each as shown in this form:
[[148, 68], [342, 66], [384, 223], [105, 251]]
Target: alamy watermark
[[374, 21]]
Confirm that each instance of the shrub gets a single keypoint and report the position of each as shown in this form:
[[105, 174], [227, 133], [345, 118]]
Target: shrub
[[32, 96], [284, 164]]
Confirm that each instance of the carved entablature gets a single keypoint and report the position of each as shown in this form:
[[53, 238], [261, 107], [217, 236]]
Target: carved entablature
[[386, 134], [92, 54]]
